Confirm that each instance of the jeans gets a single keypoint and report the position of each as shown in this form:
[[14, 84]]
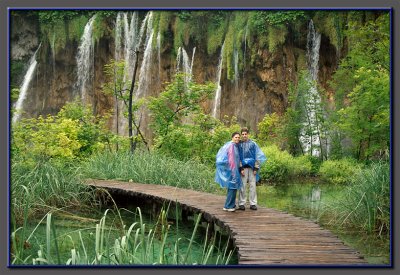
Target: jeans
[[230, 198]]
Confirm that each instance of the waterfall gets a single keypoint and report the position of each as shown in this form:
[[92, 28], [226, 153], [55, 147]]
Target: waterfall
[[183, 64], [126, 40], [313, 45], [118, 37], [130, 43], [53, 53], [236, 69], [25, 85], [191, 63], [217, 99], [159, 56], [145, 74], [245, 48], [311, 131], [85, 62]]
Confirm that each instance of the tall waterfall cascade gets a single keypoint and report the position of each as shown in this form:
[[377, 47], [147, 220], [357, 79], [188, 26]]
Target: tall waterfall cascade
[[184, 64], [236, 69], [217, 98], [85, 62], [311, 134], [126, 43], [24, 87], [145, 74]]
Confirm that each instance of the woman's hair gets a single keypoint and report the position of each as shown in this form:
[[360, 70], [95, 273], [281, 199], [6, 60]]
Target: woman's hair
[[235, 133]]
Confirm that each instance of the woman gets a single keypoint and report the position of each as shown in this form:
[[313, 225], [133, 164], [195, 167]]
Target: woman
[[228, 170]]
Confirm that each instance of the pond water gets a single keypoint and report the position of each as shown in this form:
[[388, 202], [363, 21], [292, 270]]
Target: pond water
[[307, 200]]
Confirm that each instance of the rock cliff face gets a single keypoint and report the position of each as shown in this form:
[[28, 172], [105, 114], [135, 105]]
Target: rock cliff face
[[262, 86]]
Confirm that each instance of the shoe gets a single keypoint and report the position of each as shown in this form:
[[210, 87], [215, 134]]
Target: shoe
[[229, 209], [241, 207], [253, 207]]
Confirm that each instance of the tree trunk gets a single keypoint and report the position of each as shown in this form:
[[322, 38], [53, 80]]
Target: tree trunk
[[130, 113]]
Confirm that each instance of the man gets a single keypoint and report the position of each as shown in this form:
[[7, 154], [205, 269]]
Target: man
[[251, 158]]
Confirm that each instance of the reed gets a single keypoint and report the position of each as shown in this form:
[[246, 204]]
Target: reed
[[45, 187], [365, 206], [151, 168]]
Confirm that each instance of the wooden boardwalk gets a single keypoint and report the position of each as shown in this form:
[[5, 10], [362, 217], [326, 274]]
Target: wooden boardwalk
[[265, 236]]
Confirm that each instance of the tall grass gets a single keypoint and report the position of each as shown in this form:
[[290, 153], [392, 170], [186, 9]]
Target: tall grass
[[151, 168], [44, 187], [366, 204], [135, 245]]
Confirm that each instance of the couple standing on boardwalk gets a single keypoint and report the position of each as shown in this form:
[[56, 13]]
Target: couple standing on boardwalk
[[238, 163]]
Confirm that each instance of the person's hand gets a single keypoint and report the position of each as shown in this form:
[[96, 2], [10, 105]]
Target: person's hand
[[242, 172], [254, 172]]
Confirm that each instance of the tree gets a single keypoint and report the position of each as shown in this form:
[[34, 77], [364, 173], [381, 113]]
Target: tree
[[177, 101], [366, 117], [118, 87], [362, 87]]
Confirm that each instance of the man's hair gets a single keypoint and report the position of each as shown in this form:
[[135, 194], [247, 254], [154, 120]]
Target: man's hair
[[244, 129]]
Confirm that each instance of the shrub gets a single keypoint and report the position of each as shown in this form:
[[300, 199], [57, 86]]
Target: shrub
[[338, 171], [281, 166]]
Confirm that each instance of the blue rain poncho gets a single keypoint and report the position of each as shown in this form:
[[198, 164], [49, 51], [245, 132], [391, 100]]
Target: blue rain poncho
[[228, 165], [250, 153]]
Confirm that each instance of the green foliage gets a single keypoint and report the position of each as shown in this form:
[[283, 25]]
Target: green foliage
[[276, 37], [101, 26], [233, 40], [164, 25], [339, 171], [45, 138], [269, 28], [275, 18], [362, 86], [116, 84], [93, 134], [258, 22], [216, 31], [177, 101], [332, 25], [199, 140], [366, 118], [185, 15], [368, 48], [60, 26], [315, 164], [17, 71], [51, 16], [73, 133], [281, 166], [14, 95], [181, 35], [269, 130]]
